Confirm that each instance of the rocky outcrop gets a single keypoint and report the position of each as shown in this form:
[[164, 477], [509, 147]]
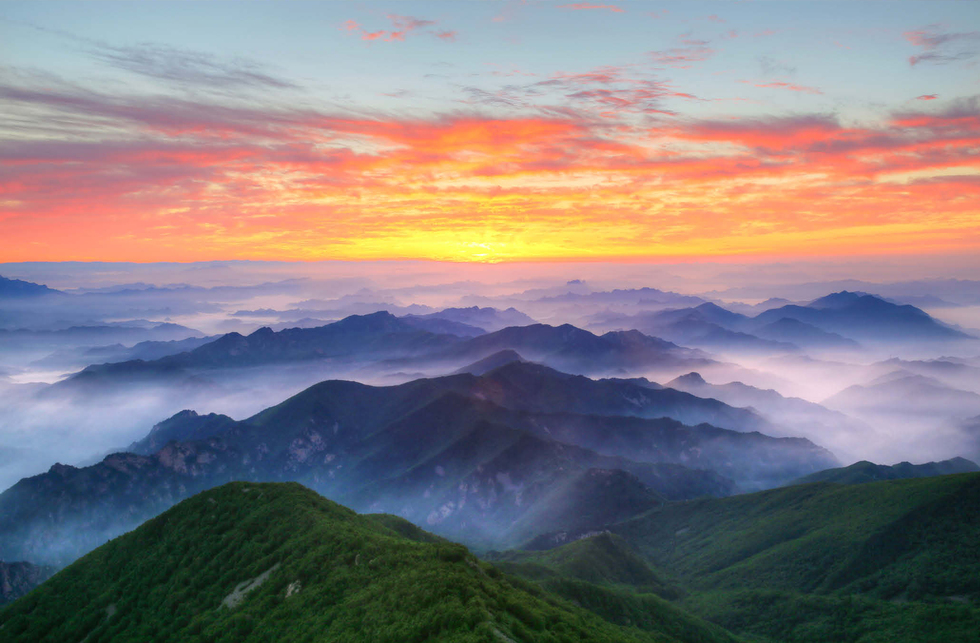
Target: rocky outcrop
[[16, 579]]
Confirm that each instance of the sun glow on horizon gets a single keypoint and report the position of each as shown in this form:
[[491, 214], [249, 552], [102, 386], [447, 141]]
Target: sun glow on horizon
[[676, 152]]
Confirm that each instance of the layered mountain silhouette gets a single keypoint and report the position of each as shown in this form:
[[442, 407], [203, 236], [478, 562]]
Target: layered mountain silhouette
[[831, 322], [802, 417], [706, 325], [18, 289], [487, 319], [864, 317], [572, 349], [384, 338], [492, 460], [794, 331], [901, 392]]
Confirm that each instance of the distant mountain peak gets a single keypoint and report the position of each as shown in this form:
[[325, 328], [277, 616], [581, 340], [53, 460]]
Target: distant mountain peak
[[491, 362], [15, 288], [692, 379], [840, 299]]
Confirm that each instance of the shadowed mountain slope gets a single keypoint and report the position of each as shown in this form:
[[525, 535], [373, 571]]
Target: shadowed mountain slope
[[17, 289], [16, 579]]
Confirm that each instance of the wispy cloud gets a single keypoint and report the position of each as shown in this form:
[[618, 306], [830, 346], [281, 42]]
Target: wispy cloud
[[942, 47], [316, 182], [682, 57], [609, 91], [401, 26], [927, 97], [784, 85], [186, 67], [579, 6]]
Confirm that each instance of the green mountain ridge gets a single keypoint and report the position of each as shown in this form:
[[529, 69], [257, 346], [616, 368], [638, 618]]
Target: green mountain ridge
[[864, 471], [277, 562], [890, 561]]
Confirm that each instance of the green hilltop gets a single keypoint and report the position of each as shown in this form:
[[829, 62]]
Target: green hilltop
[[895, 561], [278, 562]]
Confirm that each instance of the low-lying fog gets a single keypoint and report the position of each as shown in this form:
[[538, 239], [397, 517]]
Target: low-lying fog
[[886, 399]]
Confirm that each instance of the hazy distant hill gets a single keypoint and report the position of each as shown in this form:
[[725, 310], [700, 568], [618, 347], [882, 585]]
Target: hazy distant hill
[[800, 416], [575, 350], [949, 370], [383, 339], [491, 362], [17, 289], [95, 335], [492, 459], [787, 329], [378, 336], [249, 562], [864, 471], [865, 318], [901, 392], [707, 325], [487, 319]]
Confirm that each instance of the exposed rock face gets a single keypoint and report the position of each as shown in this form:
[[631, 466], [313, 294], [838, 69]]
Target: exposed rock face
[[16, 579]]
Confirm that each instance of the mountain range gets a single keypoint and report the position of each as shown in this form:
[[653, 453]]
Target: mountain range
[[892, 560], [390, 343], [491, 460], [17, 289], [832, 322]]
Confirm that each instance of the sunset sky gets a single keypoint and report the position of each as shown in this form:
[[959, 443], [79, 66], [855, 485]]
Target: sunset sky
[[486, 131]]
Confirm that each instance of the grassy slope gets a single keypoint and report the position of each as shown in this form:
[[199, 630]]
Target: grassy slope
[[360, 579], [875, 563], [876, 538], [604, 559], [888, 561]]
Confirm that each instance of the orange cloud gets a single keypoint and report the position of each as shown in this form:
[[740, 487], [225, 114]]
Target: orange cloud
[[178, 180]]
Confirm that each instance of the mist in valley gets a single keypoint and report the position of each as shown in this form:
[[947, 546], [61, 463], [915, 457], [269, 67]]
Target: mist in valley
[[89, 369]]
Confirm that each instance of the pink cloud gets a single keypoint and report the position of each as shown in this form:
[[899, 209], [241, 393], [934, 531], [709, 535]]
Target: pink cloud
[[790, 86], [927, 97], [401, 27], [584, 5], [189, 161], [682, 57]]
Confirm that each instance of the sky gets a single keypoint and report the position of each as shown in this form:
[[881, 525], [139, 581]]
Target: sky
[[489, 131]]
